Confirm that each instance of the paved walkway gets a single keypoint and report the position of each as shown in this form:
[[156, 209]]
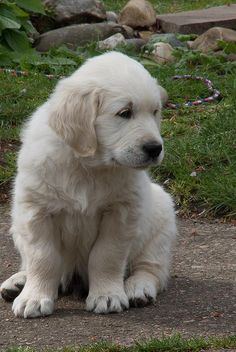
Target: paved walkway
[[200, 300]]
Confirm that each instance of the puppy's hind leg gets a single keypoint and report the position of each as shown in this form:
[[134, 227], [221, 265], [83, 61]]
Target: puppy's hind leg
[[13, 286], [149, 269]]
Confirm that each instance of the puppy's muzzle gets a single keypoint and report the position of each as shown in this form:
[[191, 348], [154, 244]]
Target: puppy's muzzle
[[152, 150]]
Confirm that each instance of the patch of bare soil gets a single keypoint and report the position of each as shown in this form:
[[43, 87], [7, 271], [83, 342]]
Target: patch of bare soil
[[200, 299]]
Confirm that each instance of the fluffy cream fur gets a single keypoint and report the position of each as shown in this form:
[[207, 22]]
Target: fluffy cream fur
[[82, 200]]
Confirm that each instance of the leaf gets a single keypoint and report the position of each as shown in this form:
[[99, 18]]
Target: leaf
[[6, 22], [31, 5], [61, 61], [148, 62], [28, 27], [17, 40], [8, 11], [185, 37], [5, 56], [19, 12], [27, 57], [5, 60]]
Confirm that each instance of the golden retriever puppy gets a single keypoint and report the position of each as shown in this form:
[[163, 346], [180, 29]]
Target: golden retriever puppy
[[82, 200]]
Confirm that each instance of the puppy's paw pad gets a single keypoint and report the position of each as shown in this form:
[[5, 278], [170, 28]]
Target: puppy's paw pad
[[105, 304], [140, 292], [9, 295], [32, 307], [12, 287]]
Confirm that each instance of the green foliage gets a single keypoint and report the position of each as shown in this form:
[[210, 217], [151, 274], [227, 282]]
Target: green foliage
[[16, 29], [191, 59], [227, 47], [186, 37], [175, 343]]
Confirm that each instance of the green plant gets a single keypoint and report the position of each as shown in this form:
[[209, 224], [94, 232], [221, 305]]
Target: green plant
[[227, 47], [16, 30]]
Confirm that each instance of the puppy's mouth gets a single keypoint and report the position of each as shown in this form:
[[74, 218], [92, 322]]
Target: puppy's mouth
[[144, 164]]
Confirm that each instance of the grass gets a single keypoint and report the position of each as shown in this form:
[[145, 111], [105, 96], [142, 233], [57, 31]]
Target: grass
[[170, 5], [198, 139], [175, 343]]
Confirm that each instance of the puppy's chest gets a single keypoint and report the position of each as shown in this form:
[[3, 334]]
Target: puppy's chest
[[87, 196]]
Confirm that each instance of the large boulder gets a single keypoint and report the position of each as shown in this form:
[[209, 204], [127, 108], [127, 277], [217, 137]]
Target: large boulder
[[67, 12], [77, 35], [208, 41], [138, 13]]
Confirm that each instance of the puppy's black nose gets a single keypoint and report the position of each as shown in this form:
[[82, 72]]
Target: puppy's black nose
[[152, 149]]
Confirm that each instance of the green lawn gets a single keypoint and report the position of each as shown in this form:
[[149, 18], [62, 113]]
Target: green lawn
[[166, 344], [197, 139]]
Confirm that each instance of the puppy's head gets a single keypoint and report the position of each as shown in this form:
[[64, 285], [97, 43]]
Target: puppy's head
[[109, 112]]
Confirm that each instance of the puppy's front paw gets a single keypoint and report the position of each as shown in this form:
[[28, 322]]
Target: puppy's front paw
[[141, 291], [103, 303], [32, 305], [12, 287]]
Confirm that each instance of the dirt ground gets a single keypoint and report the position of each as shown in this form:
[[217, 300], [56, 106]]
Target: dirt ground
[[200, 300]]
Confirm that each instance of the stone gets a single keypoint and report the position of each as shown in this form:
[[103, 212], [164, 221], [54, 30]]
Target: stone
[[111, 42], [42, 23], [162, 53], [138, 13], [169, 38], [198, 21], [220, 54], [136, 42], [129, 31], [111, 16], [208, 41], [76, 11], [189, 44], [77, 35], [145, 35], [231, 57]]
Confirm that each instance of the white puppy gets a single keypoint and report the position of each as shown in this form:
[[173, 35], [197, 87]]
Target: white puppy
[[82, 202]]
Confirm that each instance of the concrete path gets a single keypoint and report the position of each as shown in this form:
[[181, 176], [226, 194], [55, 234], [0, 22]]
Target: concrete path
[[200, 300]]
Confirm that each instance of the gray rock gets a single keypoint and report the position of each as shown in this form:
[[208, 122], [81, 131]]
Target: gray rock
[[231, 57], [146, 35], [136, 42], [138, 13], [111, 16], [169, 38], [208, 41], [129, 31], [111, 42], [162, 53], [198, 21], [76, 11], [77, 35]]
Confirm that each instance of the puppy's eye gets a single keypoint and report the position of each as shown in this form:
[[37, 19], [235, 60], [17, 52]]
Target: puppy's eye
[[155, 112], [125, 113]]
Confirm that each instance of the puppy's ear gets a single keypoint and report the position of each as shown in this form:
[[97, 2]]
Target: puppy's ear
[[72, 117], [164, 95]]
